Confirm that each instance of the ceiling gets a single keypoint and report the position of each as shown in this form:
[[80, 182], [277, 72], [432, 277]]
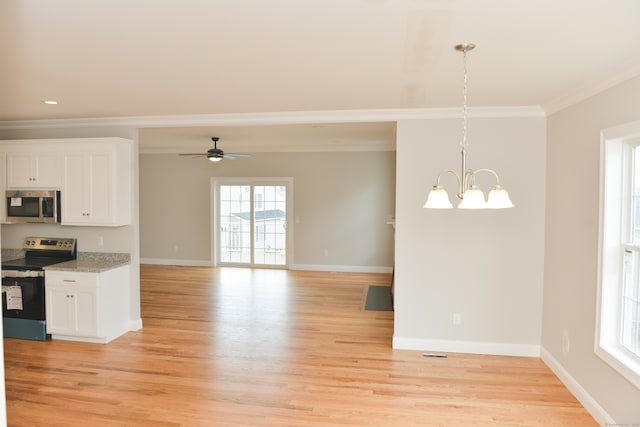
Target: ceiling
[[151, 60]]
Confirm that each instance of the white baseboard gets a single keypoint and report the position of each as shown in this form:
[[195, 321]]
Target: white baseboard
[[472, 347], [589, 403], [184, 262], [342, 268], [308, 267]]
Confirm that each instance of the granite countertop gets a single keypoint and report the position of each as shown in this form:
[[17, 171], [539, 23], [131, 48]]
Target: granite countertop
[[89, 262], [9, 254], [92, 262]]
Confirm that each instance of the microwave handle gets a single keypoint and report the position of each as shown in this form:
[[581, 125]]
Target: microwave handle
[[43, 206]]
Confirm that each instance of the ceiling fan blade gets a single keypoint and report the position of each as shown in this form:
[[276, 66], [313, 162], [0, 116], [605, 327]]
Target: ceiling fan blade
[[235, 155]]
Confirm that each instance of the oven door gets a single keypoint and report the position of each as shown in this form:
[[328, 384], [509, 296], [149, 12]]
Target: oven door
[[23, 298]]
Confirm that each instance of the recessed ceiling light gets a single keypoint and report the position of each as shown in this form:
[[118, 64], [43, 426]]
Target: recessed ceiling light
[[50, 102]]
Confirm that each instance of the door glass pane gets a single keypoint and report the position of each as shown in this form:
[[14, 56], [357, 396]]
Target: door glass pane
[[270, 224], [235, 226]]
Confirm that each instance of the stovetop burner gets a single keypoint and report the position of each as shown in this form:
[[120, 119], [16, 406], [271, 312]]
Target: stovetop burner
[[43, 251], [32, 264]]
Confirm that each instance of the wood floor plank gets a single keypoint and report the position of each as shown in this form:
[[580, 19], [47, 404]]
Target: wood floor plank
[[243, 347]]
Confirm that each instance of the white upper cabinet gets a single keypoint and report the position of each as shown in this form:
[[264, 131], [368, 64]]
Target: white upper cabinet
[[96, 183], [32, 166], [3, 187], [92, 174]]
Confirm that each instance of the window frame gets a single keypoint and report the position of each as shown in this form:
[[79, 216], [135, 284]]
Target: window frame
[[616, 174]]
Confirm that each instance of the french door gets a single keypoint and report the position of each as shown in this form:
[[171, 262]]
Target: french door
[[251, 223]]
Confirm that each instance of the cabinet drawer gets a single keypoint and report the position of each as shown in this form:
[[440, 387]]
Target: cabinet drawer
[[70, 278]]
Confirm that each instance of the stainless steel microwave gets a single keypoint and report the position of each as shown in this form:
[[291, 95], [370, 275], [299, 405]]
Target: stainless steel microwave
[[33, 206]]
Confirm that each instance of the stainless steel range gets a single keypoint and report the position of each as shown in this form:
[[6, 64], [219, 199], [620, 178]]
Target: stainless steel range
[[23, 292]]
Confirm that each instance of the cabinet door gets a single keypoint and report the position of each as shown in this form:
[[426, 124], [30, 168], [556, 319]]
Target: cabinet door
[[19, 173], [100, 195], [47, 168], [31, 170], [88, 189], [85, 311], [59, 310], [74, 208]]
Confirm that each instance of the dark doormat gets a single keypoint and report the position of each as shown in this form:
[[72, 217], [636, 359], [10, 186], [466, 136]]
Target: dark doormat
[[379, 298]]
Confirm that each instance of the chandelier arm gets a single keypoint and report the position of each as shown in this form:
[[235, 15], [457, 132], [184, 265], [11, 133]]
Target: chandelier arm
[[451, 171], [491, 171]]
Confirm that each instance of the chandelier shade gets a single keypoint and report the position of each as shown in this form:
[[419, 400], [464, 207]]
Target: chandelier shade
[[471, 197], [498, 198], [438, 199]]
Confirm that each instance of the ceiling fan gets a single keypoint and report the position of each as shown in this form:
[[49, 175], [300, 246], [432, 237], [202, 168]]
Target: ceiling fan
[[216, 154]]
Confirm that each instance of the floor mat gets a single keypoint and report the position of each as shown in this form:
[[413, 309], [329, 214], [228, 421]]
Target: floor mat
[[379, 298]]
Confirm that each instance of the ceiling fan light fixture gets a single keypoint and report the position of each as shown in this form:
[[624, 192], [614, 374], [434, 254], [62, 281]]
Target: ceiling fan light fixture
[[216, 154]]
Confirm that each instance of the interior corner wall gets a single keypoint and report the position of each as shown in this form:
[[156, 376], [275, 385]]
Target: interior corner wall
[[487, 265], [571, 249]]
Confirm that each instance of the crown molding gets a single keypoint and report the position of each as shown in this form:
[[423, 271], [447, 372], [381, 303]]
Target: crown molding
[[593, 89], [274, 118]]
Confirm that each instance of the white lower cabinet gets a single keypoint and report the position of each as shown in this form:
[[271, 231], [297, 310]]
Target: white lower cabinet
[[73, 309], [83, 306]]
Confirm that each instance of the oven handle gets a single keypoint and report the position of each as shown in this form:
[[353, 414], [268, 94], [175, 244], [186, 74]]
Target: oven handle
[[22, 273]]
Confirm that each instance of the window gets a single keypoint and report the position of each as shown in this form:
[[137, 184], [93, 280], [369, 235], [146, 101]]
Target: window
[[630, 306], [618, 328]]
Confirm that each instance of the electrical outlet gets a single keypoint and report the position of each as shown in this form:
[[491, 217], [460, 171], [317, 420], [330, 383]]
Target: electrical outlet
[[175, 248], [100, 241], [457, 318], [326, 252]]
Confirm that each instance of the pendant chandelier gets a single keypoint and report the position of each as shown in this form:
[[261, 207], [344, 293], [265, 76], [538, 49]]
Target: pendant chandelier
[[471, 197]]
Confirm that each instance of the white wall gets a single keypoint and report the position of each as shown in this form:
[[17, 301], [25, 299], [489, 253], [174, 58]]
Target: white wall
[[571, 251], [341, 199], [486, 265]]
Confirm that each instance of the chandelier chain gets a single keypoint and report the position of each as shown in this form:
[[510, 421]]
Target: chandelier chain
[[464, 144]]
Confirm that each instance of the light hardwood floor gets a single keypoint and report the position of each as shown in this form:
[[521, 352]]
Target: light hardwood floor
[[242, 347]]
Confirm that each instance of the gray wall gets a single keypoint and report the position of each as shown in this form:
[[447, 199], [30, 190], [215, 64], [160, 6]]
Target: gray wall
[[571, 250], [485, 265], [341, 199]]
